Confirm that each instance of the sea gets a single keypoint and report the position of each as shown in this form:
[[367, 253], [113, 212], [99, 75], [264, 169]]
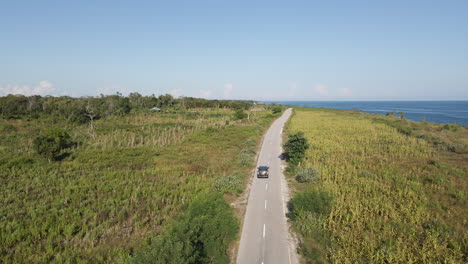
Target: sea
[[432, 111]]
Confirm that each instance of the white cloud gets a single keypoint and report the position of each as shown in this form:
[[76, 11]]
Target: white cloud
[[206, 94], [227, 90], [176, 93], [345, 92], [43, 88], [321, 89]]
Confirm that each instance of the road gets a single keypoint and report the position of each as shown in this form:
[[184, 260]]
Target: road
[[265, 238]]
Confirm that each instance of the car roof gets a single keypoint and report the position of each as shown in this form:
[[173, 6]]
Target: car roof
[[263, 168]]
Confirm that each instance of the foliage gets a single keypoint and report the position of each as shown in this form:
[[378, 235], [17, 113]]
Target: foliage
[[307, 174], [451, 127], [398, 196], [296, 147], [115, 191], [316, 202], [240, 114], [78, 110], [7, 128], [247, 154], [230, 184], [52, 142], [201, 235], [277, 109]]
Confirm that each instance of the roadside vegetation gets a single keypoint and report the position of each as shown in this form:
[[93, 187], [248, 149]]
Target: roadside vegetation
[[376, 189], [105, 180]]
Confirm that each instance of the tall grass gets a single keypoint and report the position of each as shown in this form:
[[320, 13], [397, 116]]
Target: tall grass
[[382, 201], [109, 194]]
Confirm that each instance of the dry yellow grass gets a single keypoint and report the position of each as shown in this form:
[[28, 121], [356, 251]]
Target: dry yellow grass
[[381, 181]]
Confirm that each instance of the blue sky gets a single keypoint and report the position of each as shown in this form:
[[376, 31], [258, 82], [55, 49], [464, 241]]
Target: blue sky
[[260, 50]]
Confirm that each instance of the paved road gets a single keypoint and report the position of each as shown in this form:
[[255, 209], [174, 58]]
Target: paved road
[[265, 237]]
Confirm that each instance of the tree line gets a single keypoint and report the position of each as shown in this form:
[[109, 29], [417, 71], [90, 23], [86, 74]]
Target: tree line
[[86, 109]]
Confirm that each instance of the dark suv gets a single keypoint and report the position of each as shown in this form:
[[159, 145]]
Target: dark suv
[[262, 172]]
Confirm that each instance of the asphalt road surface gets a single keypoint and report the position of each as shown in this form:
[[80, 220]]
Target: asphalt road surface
[[265, 237]]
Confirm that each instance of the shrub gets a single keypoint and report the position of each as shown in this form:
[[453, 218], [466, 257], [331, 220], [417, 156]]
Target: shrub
[[246, 158], [276, 109], [296, 147], [240, 114], [307, 174], [247, 154], [317, 202], [402, 115], [51, 143], [230, 184], [201, 235], [451, 127]]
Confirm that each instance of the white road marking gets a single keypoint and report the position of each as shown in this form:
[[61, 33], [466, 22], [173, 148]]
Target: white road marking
[[265, 204], [266, 187], [264, 230]]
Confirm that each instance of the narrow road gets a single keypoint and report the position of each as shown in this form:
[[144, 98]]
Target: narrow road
[[265, 238]]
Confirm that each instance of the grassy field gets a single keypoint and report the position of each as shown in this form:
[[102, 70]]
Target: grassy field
[[397, 189], [120, 185]]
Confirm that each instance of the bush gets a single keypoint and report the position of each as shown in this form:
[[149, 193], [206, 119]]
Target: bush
[[202, 235], [307, 174], [51, 143], [240, 114], [451, 127], [230, 184], [296, 147], [277, 109], [317, 202]]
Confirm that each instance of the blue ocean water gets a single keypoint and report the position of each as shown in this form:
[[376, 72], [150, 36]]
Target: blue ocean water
[[433, 111]]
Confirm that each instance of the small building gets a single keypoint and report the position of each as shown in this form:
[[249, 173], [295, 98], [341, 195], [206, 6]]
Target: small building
[[155, 109]]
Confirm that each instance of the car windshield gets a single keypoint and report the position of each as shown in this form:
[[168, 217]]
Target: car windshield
[[263, 168]]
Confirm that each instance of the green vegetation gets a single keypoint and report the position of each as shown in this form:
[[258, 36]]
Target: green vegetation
[[296, 147], [392, 190], [307, 174], [50, 144], [124, 181], [277, 109], [315, 202], [230, 184], [240, 114], [201, 235]]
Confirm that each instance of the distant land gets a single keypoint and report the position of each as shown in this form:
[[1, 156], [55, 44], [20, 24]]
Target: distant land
[[432, 111]]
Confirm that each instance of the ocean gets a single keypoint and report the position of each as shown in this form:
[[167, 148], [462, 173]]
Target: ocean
[[433, 111]]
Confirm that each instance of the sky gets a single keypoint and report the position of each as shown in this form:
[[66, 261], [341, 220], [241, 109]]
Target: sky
[[255, 50]]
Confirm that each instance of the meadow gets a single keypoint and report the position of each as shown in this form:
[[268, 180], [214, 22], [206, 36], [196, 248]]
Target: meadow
[[385, 190], [124, 183]]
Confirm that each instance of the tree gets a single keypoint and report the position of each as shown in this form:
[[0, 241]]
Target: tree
[[51, 143], [92, 112], [296, 147], [166, 100]]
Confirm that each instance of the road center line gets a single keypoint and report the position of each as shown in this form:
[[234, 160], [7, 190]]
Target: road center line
[[264, 230], [265, 203], [266, 187]]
